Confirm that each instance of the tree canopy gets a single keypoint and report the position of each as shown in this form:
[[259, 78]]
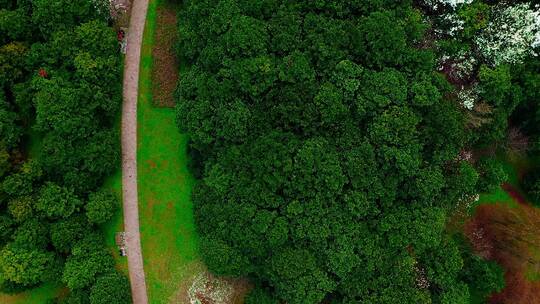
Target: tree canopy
[[327, 149], [60, 92]]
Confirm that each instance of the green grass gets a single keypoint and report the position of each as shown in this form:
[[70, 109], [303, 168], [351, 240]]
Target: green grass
[[168, 234], [38, 295]]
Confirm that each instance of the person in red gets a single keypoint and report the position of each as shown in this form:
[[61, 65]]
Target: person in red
[[120, 35]]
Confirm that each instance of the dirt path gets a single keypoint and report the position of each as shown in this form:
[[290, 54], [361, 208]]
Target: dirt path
[[129, 152]]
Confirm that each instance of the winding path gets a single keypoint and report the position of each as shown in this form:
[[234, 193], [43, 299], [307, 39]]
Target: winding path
[[129, 152]]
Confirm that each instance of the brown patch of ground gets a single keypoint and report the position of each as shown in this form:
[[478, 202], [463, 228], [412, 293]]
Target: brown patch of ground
[[509, 235], [181, 294], [205, 288], [165, 64], [241, 288], [152, 164], [150, 204]]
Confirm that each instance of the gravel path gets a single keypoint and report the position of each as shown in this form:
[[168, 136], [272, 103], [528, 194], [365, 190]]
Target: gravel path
[[129, 152]]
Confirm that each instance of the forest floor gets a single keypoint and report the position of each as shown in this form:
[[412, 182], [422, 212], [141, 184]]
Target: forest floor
[[168, 235], [512, 195]]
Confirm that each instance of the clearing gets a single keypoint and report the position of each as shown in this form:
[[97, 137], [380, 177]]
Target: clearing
[[168, 236]]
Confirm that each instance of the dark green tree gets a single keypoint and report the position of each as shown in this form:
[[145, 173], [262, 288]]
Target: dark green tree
[[101, 206], [109, 288]]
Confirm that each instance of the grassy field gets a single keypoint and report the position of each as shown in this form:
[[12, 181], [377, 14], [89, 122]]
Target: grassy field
[[38, 295], [169, 240]]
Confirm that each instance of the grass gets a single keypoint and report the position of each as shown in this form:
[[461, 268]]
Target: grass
[[39, 295], [168, 236]]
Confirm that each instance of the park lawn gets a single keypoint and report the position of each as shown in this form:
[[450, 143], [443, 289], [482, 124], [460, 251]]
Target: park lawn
[[38, 295], [168, 236]]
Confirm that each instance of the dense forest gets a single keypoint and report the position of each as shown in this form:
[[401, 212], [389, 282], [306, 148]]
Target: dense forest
[[333, 140], [60, 93]]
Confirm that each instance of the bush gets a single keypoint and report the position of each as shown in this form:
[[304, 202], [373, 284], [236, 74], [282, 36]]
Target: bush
[[111, 288], [101, 206], [259, 295], [492, 174]]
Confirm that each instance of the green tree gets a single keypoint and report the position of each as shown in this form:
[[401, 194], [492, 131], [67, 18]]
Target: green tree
[[485, 276], [15, 25], [223, 259], [101, 206], [65, 233], [109, 288], [57, 202], [259, 295], [12, 60], [492, 174], [10, 131], [531, 183], [89, 258], [297, 277], [25, 266]]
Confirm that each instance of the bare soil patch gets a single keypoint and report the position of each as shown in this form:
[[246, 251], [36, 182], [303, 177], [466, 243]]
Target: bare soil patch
[[206, 288], [165, 63]]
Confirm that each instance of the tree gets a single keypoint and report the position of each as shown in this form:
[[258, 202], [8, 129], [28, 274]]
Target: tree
[[25, 266], [60, 15], [531, 184], [112, 287], [10, 131], [65, 233], [12, 60], [60, 92], [89, 258], [380, 39], [21, 208], [259, 295], [510, 35], [297, 277], [31, 233], [77, 296], [15, 25], [57, 202], [223, 259], [101, 206], [492, 174], [326, 148], [485, 276]]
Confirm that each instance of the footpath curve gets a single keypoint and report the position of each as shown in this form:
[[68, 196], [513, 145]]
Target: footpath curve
[[129, 151]]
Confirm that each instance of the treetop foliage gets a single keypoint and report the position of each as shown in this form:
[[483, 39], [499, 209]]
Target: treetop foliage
[[59, 97], [327, 149]]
